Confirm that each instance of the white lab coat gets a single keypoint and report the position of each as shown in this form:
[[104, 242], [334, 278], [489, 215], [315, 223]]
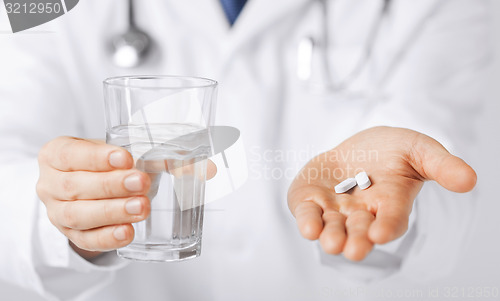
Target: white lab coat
[[430, 61]]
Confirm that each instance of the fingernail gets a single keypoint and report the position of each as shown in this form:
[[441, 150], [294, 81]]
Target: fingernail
[[134, 206], [120, 233], [117, 159], [133, 183]]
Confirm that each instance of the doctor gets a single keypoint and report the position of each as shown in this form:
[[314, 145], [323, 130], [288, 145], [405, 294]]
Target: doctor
[[422, 78]]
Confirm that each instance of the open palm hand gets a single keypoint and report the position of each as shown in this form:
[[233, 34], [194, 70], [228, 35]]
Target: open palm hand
[[398, 161]]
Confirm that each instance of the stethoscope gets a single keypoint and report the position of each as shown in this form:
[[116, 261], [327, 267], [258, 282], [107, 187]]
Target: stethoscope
[[131, 48], [318, 77]]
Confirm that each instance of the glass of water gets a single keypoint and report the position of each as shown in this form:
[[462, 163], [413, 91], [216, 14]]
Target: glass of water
[[164, 121]]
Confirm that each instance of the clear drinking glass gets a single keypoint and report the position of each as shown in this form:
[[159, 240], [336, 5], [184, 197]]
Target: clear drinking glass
[[163, 122]]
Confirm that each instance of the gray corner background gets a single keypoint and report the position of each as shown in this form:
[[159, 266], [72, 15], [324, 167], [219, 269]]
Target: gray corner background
[[25, 20], [480, 262]]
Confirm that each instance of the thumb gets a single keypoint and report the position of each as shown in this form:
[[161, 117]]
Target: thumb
[[433, 162]]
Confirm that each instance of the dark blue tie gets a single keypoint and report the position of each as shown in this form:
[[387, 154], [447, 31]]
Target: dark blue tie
[[232, 8]]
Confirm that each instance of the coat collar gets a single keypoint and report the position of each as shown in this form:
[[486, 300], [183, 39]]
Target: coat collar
[[207, 17]]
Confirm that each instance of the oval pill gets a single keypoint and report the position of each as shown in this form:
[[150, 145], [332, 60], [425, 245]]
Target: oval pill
[[345, 185], [363, 180]]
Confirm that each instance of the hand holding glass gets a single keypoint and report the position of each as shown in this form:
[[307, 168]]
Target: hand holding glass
[[163, 122]]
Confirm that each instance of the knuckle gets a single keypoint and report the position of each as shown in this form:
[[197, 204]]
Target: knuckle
[[108, 182], [52, 217], [69, 217], [68, 188], [101, 242], [41, 190], [64, 150], [48, 148], [46, 153], [64, 156], [95, 157], [108, 212]]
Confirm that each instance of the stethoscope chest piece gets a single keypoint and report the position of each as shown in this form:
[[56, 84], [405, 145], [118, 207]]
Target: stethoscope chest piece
[[131, 48]]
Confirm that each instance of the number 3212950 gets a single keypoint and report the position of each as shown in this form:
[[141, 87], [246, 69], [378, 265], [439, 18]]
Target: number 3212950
[[461, 292], [33, 8]]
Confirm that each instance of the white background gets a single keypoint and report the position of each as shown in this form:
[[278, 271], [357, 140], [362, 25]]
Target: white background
[[479, 266]]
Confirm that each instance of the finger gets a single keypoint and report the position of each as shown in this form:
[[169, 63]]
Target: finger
[[322, 196], [101, 239], [84, 253], [73, 154], [211, 169], [83, 185], [358, 245], [177, 168], [308, 216], [434, 162], [390, 222], [89, 214], [333, 236]]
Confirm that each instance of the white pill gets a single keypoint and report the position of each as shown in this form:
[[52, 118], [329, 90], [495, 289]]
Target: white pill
[[363, 180], [345, 185]]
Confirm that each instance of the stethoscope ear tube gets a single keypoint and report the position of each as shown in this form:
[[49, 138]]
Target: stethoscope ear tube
[[309, 47], [305, 58]]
